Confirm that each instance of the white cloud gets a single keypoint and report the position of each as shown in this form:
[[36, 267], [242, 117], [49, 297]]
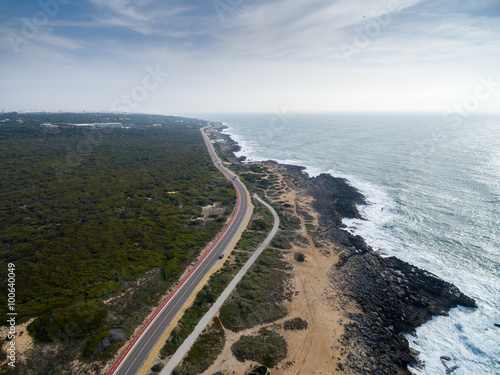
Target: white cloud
[[282, 53], [42, 42], [123, 7], [145, 16], [295, 28], [48, 38]]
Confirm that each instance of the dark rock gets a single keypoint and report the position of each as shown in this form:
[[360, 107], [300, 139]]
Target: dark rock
[[116, 335], [336, 196], [394, 296], [230, 146], [449, 364], [497, 325], [113, 336]]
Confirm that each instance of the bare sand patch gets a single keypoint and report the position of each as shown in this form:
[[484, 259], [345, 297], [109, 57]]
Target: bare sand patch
[[24, 342], [317, 349]]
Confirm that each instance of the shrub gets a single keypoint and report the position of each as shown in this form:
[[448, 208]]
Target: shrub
[[281, 242], [299, 257], [295, 324], [69, 323], [205, 350], [258, 224], [268, 348], [157, 368]]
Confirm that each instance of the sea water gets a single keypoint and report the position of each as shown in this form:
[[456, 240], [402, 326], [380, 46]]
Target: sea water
[[433, 193]]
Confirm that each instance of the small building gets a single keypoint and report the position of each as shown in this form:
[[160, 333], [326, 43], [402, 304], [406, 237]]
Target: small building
[[108, 125], [101, 125]]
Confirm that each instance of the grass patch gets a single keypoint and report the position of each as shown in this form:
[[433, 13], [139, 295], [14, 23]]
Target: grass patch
[[205, 350], [282, 241], [295, 324], [220, 280], [267, 348], [289, 221], [257, 298]]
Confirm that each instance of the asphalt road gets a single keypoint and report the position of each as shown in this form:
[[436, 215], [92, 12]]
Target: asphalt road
[[138, 350], [176, 359]]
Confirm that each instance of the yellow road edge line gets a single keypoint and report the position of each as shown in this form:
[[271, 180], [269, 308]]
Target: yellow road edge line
[[146, 366]]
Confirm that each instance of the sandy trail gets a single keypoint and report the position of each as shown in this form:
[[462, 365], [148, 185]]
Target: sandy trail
[[315, 350]]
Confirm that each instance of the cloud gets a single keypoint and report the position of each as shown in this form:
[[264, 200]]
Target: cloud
[[125, 8], [14, 40], [148, 17], [294, 28], [438, 38], [48, 38], [258, 56]]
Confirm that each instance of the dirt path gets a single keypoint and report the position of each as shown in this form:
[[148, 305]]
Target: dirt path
[[207, 318], [316, 349]]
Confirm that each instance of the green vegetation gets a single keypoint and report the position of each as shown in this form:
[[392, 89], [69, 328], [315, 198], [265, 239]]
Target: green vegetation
[[281, 241], [295, 324], [268, 348], [299, 257], [257, 298], [256, 181], [85, 212], [157, 368], [104, 345], [188, 322], [220, 280], [205, 350], [289, 222], [69, 323]]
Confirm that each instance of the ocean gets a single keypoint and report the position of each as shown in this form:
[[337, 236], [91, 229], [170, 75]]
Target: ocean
[[433, 193]]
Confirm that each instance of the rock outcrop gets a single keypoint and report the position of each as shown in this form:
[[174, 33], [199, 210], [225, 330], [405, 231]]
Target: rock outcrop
[[394, 296]]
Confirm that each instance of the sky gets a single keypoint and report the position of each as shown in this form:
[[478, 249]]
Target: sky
[[244, 56]]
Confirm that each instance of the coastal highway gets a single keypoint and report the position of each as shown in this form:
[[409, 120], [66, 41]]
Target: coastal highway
[[176, 359], [137, 351]]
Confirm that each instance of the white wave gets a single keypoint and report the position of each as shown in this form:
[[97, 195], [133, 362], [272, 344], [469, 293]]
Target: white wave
[[467, 336]]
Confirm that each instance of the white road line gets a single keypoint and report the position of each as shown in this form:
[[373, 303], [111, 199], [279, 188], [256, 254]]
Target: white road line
[[201, 270], [190, 340]]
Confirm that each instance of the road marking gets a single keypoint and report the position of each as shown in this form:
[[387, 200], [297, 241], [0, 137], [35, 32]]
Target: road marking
[[205, 320], [151, 320], [248, 211]]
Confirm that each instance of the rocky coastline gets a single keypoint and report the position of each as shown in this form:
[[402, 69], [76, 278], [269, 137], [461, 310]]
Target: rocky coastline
[[392, 296]]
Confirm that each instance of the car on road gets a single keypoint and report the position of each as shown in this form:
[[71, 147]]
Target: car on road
[[221, 256]]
